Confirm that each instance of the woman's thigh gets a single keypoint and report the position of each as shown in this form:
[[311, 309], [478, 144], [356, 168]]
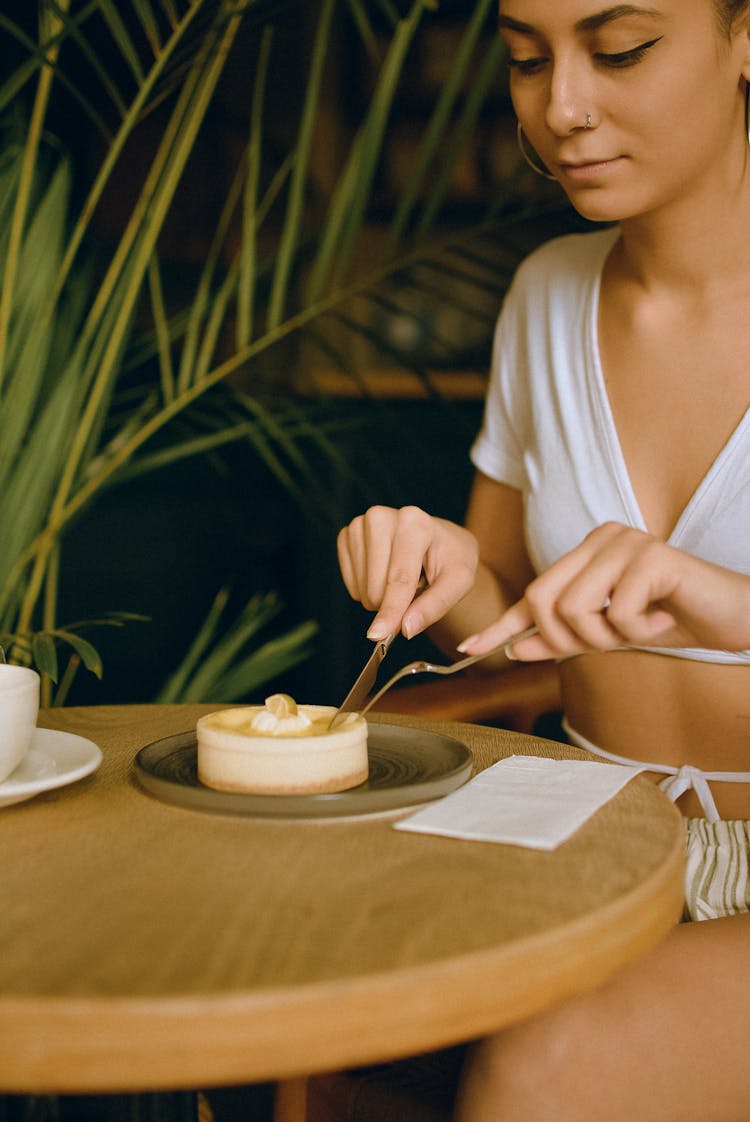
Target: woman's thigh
[[667, 1039]]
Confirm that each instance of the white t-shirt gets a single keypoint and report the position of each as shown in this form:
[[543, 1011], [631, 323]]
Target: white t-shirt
[[548, 428]]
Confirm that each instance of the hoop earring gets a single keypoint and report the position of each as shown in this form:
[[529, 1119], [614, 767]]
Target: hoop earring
[[539, 168]]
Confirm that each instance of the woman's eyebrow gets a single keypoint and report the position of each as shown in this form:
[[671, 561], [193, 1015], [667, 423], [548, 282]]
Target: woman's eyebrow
[[587, 23], [509, 24], [619, 11]]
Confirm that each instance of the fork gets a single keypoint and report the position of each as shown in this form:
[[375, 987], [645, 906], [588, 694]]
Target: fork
[[423, 667]]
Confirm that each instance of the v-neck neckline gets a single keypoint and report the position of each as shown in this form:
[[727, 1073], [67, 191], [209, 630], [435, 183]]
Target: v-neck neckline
[[614, 446]]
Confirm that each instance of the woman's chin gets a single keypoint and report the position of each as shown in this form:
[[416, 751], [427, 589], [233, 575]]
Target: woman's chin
[[595, 207]]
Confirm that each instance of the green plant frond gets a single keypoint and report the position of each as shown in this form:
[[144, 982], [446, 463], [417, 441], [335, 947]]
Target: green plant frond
[[125, 429], [324, 436], [362, 21], [60, 695], [40, 648], [268, 454], [170, 11], [149, 23], [336, 356], [293, 219], [214, 324], [211, 304], [114, 618], [44, 655], [184, 449], [31, 351], [387, 8], [175, 686], [161, 329], [118, 141], [26, 495], [51, 588], [122, 38], [269, 662], [143, 231], [295, 323], [15, 648], [14, 84], [257, 614], [347, 209], [97, 360], [229, 431], [465, 296], [280, 447], [85, 650], [143, 346], [214, 669], [22, 203], [485, 269], [52, 38], [10, 173], [138, 241], [484, 80], [108, 378], [41, 249], [438, 125], [227, 367], [251, 218], [373, 134], [65, 29]]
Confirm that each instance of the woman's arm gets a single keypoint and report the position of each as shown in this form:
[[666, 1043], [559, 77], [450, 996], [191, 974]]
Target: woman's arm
[[624, 587]]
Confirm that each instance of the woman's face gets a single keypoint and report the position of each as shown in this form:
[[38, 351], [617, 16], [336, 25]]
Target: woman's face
[[663, 87]]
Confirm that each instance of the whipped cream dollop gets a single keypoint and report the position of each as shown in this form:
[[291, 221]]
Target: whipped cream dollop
[[280, 716]]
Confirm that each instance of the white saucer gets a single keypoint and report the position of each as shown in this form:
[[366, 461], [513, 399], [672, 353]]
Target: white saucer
[[54, 760]]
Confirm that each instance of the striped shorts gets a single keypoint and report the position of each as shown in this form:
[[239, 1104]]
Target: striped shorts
[[717, 878]]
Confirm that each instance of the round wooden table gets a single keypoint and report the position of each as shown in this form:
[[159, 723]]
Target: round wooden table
[[146, 946]]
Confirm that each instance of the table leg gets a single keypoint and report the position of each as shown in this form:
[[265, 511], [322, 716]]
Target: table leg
[[290, 1101]]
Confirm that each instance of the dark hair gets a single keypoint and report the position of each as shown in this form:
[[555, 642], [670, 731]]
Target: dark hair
[[727, 12]]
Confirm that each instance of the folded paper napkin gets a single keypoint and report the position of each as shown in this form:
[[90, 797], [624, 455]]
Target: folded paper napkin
[[523, 800]]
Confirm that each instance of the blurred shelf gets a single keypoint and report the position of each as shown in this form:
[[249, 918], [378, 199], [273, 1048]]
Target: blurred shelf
[[396, 384]]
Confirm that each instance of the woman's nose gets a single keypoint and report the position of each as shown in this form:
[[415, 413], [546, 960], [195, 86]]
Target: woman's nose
[[569, 104]]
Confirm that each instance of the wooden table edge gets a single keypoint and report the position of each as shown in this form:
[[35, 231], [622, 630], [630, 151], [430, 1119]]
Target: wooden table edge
[[223, 1039]]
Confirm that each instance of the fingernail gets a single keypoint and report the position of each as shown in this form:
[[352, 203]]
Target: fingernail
[[465, 644], [376, 633], [410, 626]]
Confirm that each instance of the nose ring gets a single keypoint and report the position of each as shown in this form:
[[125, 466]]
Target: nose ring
[[588, 121]]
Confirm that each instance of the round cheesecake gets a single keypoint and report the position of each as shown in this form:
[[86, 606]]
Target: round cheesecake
[[281, 749]]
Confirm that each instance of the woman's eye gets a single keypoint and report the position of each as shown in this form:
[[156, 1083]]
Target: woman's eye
[[526, 66], [626, 58]]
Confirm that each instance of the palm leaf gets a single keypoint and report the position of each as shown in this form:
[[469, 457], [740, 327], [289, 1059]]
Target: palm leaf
[[214, 667], [74, 324]]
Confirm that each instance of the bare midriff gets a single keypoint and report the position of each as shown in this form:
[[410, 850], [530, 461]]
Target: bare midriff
[[659, 709]]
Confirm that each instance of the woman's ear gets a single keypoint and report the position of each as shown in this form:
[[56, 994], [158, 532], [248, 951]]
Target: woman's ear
[[742, 39]]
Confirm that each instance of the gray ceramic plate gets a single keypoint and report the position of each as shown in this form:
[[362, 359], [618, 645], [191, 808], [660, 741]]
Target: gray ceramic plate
[[407, 766]]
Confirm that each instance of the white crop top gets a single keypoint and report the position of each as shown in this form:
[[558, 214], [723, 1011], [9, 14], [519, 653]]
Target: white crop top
[[548, 427]]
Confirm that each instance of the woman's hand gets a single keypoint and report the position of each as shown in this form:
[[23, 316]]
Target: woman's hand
[[387, 554], [623, 587]]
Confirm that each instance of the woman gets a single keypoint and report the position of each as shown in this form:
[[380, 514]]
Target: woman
[[614, 460]]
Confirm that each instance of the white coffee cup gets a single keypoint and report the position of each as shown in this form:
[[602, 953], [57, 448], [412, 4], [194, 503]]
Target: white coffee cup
[[19, 708]]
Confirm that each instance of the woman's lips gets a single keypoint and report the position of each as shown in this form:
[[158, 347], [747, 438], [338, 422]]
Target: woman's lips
[[587, 169]]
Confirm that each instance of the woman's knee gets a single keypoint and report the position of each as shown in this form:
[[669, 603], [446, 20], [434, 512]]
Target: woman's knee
[[520, 1074]]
